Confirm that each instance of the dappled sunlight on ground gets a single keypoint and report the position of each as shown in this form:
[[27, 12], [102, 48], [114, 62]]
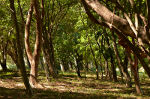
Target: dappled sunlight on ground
[[69, 86]]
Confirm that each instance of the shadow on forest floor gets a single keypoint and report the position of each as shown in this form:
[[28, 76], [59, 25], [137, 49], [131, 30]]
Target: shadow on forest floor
[[69, 86], [48, 94]]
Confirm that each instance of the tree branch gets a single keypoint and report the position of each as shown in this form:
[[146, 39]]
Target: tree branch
[[27, 32], [107, 15]]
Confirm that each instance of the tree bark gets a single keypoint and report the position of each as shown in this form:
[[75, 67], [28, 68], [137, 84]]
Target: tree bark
[[78, 64], [48, 55], [3, 61], [34, 58], [96, 64], [113, 68], [123, 69], [46, 68], [19, 49], [134, 67], [48, 49], [119, 23]]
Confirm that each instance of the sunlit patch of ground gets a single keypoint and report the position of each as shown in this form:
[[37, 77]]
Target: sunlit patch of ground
[[68, 85]]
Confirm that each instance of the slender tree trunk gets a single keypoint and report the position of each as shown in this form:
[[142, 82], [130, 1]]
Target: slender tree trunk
[[101, 69], [19, 49], [42, 63], [49, 60], [123, 69], [96, 64], [78, 69], [28, 62], [134, 69], [77, 64], [3, 62], [113, 68], [46, 68], [70, 65], [87, 66], [100, 51], [4, 56], [62, 67], [106, 69]]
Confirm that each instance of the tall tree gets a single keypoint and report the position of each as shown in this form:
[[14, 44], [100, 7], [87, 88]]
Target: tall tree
[[20, 60], [34, 57]]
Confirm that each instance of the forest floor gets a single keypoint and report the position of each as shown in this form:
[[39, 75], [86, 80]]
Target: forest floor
[[69, 86]]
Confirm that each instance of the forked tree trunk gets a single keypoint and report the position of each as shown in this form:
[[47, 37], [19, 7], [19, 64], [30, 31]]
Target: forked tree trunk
[[20, 60], [34, 58]]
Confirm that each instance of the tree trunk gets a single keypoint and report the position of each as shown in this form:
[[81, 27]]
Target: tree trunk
[[113, 68], [70, 65], [134, 70], [78, 69], [120, 23], [4, 55], [106, 69], [101, 67], [62, 67], [3, 62], [47, 45], [87, 66], [19, 49], [123, 69], [102, 74], [46, 68], [77, 65], [48, 60], [34, 58], [96, 64], [134, 67]]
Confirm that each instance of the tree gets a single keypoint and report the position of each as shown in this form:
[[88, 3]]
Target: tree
[[20, 61], [34, 58], [123, 27]]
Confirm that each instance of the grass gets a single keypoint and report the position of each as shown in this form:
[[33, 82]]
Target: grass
[[69, 86]]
